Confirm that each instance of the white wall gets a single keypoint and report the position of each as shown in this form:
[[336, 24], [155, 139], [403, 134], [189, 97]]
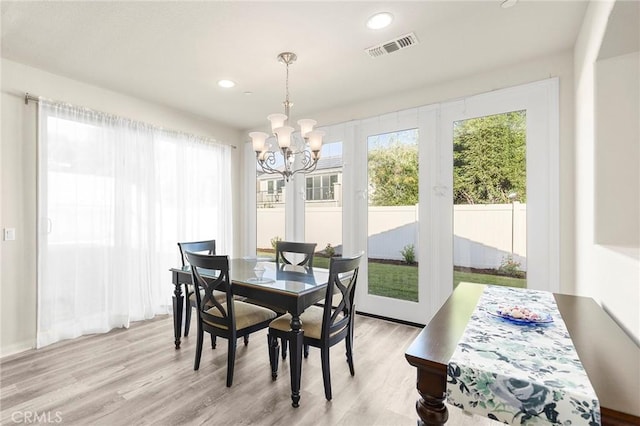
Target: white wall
[[18, 177], [610, 274], [617, 151]]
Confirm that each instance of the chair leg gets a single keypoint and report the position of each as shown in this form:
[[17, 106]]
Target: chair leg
[[196, 364], [231, 360], [272, 343], [349, 345], [284, 347], [187, 318], [213, 341], [306, 351], [246, 339], [326, 372]]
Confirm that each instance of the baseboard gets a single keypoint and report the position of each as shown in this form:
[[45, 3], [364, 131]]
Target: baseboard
[[16, 348], [380, 317]]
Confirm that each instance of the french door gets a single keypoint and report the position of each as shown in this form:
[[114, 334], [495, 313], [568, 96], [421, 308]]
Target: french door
[[395, 168], [407, 273], [516, 217]]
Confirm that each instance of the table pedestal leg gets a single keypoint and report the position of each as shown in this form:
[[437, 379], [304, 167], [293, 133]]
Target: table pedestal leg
[[178, 302], [295, 358], [430, 407]]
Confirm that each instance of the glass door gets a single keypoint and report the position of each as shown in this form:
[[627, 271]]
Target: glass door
[[490, 200], [394, 161], [392, 219], [503, 177]]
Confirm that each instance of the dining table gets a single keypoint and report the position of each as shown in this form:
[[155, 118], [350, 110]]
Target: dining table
[[608, 356], [288, 287]]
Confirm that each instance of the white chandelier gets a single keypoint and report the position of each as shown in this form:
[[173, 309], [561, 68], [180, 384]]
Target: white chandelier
[[300, 151]]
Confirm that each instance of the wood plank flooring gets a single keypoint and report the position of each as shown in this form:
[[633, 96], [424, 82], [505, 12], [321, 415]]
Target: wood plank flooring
[[136, 377]]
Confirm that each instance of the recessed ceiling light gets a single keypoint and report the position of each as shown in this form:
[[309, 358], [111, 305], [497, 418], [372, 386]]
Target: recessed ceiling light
[[226, 83], [379, 20], [508, 3]]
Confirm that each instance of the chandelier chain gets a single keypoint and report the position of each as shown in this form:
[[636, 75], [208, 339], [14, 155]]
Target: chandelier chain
[[287, 104]]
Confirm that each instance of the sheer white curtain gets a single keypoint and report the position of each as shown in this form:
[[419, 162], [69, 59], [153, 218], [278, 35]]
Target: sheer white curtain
[[114, 198]]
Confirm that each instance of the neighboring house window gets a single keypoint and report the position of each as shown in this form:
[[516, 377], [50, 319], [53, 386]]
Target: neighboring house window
[[275, 184], [321, 187]]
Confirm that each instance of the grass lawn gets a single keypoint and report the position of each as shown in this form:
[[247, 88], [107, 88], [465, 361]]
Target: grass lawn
[[401, 281]]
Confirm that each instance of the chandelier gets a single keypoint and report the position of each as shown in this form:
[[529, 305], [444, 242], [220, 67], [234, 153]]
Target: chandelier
[[299, 151]]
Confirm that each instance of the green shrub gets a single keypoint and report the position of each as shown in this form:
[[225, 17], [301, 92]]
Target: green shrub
[[329, 250], [274, 241], [409, 254], [510, 267]]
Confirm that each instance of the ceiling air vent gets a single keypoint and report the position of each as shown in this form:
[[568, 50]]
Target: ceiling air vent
[[391, 46]]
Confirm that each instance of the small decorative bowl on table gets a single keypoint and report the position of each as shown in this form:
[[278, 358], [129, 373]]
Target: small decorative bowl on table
[[521, 315]]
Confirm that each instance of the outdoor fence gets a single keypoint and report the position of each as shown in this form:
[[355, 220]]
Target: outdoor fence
[[484, 235]]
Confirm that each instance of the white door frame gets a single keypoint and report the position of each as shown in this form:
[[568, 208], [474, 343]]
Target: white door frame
[[425, 120], [540, 100]]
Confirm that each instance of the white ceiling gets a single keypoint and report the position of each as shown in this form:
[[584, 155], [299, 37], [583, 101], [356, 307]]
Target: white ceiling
[[174, 52]]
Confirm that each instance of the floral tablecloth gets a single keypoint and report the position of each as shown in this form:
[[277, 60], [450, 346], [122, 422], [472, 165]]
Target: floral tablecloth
[[519, 373]]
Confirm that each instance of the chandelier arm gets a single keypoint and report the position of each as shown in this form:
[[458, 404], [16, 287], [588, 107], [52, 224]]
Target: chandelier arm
[[309, 164], [269, 159]]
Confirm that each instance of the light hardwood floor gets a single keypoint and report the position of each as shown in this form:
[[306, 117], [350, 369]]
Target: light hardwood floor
[[136, 377]]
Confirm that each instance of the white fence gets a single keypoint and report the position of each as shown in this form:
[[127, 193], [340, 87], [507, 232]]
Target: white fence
[[483, 234]]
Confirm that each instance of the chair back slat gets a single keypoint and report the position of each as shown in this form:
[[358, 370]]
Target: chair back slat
[[205, 246], [284, 249], [343, 276], [217, 278]]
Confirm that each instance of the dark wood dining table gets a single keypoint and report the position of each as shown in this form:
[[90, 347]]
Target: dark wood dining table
[[291, 288], [610, 358]]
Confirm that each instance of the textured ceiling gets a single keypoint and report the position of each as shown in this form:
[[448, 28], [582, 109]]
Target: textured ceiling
[[174, 52]]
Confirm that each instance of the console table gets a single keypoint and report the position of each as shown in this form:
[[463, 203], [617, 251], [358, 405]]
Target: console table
[[610, 358]]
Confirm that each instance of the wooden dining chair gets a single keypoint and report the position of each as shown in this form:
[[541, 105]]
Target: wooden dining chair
[[285, 255], [324, 327], [206, 247], [230, 319], [286, 251]]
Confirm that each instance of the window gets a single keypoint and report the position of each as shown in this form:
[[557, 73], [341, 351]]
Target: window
[[275, 186], [321, 187], [114, 197]]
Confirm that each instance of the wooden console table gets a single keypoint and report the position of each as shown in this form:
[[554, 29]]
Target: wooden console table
[[610, 358]]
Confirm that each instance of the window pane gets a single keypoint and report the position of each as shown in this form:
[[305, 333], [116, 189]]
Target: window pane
[[324, 205], [393, 212], [490, 200]]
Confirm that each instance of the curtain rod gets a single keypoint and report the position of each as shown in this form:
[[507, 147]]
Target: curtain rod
[[29, 97]]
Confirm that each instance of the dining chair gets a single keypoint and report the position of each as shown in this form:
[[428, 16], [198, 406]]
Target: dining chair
[[287, 250], [285, 253], [230, 319], [324, 327], [205, 246]]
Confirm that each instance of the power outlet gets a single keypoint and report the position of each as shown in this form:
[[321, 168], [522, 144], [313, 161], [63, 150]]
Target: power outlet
[[9, 234]]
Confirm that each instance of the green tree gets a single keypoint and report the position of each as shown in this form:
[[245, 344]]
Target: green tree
[[393, 175], [489, 159]]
